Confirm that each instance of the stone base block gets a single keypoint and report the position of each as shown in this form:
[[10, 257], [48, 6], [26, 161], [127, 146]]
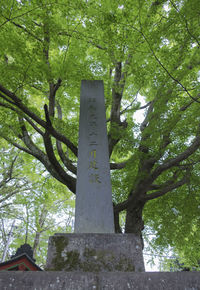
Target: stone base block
[[10, 280], [95, 253]]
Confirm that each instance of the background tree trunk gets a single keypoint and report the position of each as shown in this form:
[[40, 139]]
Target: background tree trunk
[[134, 222]]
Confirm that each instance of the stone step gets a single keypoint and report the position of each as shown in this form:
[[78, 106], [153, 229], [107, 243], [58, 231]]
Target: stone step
[[10, 280]]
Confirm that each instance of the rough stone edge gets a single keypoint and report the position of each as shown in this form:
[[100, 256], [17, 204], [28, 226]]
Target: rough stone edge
[[107, 281]]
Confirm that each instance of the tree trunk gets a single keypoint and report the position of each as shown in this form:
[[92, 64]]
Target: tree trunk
[[36, 243], [116, 222], [134, 222], [8, 242]]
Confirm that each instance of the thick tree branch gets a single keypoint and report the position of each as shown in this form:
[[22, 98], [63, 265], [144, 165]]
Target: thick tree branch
[[116, 222], [8, 174], [67, 179], [33, 125], [81, 37], [25, 117], [139, 193], [18, 103], [24, 29], [146, 197], [147, 161], [144, 185], [66, 161], [122, 205], [146, 119], [7, 100], [125, 110], [52, 95], [167, 189], [37, 153], [52, 87], [117, 93], [166, 140], [114, 166], [175, 161], [166, 183]]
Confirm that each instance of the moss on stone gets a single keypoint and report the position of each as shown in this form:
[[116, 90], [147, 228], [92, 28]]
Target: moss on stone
[[59, 262], [88, 253], [73, 261], [89, 266], [124, 265], [92, 260]]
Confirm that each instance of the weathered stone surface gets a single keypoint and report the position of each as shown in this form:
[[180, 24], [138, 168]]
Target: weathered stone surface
[[94, 209], [11, 280], [95, 253]]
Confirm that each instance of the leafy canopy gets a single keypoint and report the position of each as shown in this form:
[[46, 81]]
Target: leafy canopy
[[138, 48]]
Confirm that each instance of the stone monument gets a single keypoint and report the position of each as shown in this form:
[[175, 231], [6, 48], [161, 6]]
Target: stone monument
[[94, 209], [94, 247]]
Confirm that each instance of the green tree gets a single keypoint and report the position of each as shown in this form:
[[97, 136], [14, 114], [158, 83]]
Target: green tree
[[136, 47], [35, 215], [12, 180], [32, 205]]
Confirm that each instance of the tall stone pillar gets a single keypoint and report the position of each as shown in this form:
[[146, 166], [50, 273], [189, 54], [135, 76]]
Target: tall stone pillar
[[94, 209]]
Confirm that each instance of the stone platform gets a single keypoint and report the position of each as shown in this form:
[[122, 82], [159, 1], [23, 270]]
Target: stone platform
[[95, 253], [96, 262], [10, 280]]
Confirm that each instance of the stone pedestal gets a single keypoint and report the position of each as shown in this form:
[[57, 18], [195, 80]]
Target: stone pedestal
[[95, 253]]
